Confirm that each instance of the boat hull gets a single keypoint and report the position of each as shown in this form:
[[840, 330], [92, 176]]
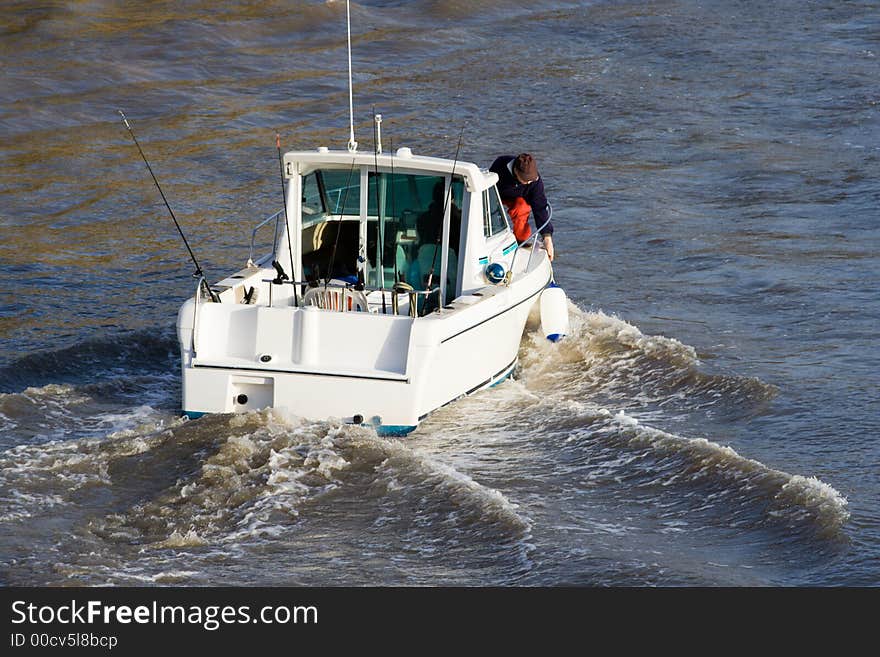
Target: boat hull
[[384, 371]]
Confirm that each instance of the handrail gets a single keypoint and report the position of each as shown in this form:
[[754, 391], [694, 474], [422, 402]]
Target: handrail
[[197, 297], [365, 288], [277, 216], [348, 286], [532, 237]]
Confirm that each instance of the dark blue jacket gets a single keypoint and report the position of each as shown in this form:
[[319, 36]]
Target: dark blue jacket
[[510, 189]]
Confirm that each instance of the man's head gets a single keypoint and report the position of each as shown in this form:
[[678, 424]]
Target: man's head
[[525, 169]]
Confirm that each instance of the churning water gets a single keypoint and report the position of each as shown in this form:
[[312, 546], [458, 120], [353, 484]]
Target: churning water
[[712, 418]]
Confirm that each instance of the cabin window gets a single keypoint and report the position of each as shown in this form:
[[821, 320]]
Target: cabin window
[[311, 197], [494, 216], [403, 231], [405, 217], [330, 224], [342, 190]]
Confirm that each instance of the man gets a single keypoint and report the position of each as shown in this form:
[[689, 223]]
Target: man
[[522, 192]]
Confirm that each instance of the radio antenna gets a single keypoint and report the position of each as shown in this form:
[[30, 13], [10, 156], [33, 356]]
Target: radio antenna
[[352, 144], [286, 220]]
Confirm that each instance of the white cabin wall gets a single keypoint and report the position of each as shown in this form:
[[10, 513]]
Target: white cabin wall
[[293, 191], [475, 246]]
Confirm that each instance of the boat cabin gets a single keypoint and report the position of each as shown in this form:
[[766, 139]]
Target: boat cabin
[[391, 221]]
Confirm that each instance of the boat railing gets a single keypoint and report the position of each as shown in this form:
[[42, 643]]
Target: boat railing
[[200, 286], [343, 289], [531, 238], [336, 298], [277, 217]]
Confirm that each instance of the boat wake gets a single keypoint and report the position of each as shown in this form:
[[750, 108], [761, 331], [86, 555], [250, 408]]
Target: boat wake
[[245, 482], [612, 361], [139, 487], [606, 360], [708, 479], [154, 352]]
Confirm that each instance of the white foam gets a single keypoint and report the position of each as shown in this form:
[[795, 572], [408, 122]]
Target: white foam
[[602, 352], [419, 470], [813, 493], [178, 539], [43, 476], [55, 390], [597, 327], [331, 454], [278, 463]]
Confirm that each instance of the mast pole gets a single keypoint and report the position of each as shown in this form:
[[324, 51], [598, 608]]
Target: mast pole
[[352, 144]]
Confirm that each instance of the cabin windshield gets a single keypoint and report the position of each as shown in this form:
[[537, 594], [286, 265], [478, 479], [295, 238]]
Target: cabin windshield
[[402, 237]]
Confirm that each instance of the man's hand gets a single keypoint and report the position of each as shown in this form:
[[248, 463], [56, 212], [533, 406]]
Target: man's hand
[[548, 246]]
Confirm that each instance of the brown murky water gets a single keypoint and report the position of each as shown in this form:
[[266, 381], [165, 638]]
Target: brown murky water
[[711, 419]]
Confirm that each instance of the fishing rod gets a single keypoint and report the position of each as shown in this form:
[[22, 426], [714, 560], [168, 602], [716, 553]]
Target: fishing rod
[[286, 222], [198, 272]]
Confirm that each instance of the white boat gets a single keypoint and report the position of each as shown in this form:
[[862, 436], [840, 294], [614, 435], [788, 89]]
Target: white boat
[[398, 287], [393, 285]]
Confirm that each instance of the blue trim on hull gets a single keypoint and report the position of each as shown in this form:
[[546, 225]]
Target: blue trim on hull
[[503, 378], [394, 430], [397, 430]]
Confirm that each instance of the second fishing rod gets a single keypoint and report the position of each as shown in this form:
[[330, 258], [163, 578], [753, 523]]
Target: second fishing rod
[[198, 272]]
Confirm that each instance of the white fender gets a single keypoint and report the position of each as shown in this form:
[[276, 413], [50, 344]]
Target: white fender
[[554, 313]]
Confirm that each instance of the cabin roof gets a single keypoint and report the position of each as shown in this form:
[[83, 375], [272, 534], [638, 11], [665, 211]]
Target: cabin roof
[[403, 160]]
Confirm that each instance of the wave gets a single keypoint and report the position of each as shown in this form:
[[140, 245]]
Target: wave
[[143, 352], [405, 472], [742, 491], [235, 479], [40, 477], [608, 363], [56, 412], [611, 361]]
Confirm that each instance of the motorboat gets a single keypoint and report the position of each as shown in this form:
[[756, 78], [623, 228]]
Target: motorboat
[[389, 285]]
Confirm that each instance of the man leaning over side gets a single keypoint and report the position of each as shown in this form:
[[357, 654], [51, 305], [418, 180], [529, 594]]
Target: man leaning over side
[[522, 192]]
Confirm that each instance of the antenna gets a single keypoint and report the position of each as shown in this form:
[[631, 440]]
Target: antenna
[[378, 119], [445, 206], [286, 222], [352, 144]]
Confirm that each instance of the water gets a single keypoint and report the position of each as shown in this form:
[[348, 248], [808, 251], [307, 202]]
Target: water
[[711, 420]]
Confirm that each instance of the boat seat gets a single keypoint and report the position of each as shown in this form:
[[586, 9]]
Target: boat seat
[[336, 298], [421, 266]]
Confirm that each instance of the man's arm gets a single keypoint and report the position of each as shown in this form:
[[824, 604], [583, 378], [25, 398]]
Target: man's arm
[[540, 208], [548, 246], [541, 211]]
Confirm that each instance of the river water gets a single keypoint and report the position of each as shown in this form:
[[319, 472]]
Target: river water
[[711, 420]]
